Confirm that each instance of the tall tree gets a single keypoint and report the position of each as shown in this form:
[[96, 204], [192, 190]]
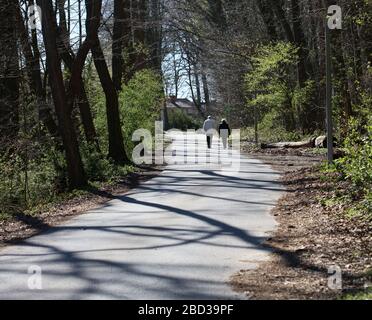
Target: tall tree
[[279, 12], [216, 14], [300, 41], [115, 134], [76, 174], [75, 64], [207, 97], [266, 10], [155, 34], [9, 72], [117, 42], [30, 49]]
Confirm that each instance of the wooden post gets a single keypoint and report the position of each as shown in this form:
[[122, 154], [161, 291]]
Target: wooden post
[[255, 116]]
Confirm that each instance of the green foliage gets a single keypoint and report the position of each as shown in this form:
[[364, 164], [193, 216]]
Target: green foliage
[[141, 102], [180, 120], [269, 81], [100, 169], [271, 91], [98, 106], [271, 129], [28, 177], [361, 295], [356, 167], [302, 96], [357, 164], [364, 108]]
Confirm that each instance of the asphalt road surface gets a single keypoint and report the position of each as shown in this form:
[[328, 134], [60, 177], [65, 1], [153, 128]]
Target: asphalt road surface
[[181, 235]]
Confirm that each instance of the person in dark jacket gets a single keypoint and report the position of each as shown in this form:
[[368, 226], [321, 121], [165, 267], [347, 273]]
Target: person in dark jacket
[[225, 132]]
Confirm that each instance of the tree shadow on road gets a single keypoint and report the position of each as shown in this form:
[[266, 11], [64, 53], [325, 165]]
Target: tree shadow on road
[[78, 262]]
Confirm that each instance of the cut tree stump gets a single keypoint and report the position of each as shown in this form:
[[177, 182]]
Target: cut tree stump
[[321, 142]]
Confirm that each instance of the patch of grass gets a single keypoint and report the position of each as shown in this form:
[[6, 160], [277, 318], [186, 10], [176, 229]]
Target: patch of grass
[[328, 202], [112, 175], [270, 134], [358, 205], [353, 213], [4, 216], [362, 295], [318, 151], [354, 198], [36, 210]]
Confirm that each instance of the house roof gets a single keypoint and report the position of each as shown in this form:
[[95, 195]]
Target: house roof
[[180, 103]]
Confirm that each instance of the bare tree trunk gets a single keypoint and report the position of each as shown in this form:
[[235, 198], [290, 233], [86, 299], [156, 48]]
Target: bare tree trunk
[[75, 65], [194, 98], [277, 6], [80, 23], [9, 73], [75, 168], [32, 58], [87, 119], [80, 96], [140, 35], [299, 39], [197, 85], [154, 35], [69, 16], [128, 40], [116, 141], [63, 29], [117, 44], [176, 74], [304, 112], [268, 17], [207, 97], [216, 14]]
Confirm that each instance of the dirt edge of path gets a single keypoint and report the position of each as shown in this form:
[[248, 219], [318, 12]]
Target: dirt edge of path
[[312, 241]]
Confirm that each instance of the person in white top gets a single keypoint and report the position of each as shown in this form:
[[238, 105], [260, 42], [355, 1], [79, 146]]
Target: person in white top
[[209, 128]]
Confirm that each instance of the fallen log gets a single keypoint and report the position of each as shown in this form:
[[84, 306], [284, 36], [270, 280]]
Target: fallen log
[[289, 145]]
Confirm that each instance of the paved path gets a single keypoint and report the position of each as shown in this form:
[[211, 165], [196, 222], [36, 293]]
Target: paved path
[[181, 235]]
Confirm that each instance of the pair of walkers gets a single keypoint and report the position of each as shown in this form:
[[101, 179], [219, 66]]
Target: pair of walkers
[[224, 131]]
